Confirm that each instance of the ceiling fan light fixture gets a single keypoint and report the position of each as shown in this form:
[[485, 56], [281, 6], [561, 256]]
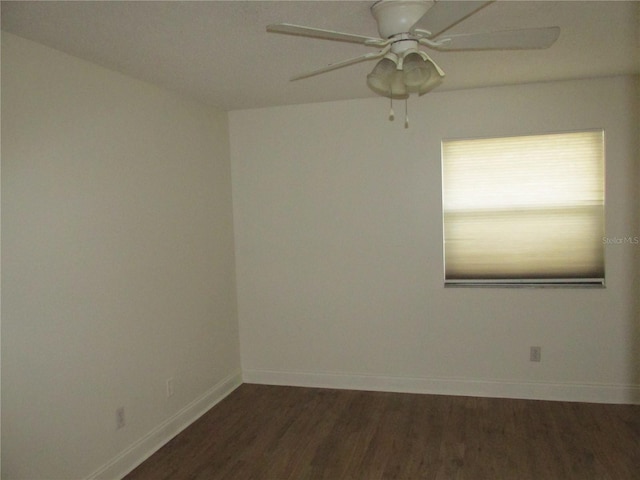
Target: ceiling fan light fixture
[[397, 77]]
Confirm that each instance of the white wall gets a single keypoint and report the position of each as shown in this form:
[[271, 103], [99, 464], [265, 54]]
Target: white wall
[[118, 265], [338, 233]]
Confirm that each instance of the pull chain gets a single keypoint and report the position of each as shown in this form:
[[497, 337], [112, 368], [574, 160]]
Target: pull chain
[[406, 114], [392, 114]]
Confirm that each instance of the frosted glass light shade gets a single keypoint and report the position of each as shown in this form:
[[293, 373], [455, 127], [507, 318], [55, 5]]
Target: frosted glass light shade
[[398, 88], [381, 77], [415, 71], [434, 79], [387, 80]]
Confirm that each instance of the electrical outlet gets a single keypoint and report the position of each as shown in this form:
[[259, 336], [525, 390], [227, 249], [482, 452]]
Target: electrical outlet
[[120, 421], [535, 354], [169, 387]]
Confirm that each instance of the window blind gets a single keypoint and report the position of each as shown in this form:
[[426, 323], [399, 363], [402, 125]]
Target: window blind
[[526, 209]]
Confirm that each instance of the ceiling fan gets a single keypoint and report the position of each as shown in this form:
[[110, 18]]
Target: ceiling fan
[[405, 26]]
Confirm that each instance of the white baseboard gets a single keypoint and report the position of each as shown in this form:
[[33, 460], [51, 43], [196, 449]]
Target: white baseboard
[[572, 392], [139, 451]]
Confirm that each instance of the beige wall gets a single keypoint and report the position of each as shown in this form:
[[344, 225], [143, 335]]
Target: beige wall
[[117, 265], [337, 216]]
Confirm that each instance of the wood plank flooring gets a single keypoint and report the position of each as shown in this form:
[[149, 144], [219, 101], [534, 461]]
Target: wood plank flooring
[[270, 432]]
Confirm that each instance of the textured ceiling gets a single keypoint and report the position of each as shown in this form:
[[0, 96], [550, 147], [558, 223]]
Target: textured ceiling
[[220, 53]]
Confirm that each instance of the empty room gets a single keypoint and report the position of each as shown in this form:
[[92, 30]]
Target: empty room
[[320, 239]]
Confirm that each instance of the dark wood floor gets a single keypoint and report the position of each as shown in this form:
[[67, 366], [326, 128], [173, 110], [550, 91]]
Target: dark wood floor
[[267, 432]]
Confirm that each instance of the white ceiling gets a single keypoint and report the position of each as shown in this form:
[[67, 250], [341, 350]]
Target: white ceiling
[[220, 53]]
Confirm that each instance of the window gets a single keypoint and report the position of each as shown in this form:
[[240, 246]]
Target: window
[[524, 210]]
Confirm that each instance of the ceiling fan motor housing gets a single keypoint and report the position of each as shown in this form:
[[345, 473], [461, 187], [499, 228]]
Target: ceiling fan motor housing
[[398, 16]]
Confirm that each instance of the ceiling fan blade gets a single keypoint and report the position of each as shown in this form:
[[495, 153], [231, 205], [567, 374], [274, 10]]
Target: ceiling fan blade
[[300, 30], [344, 63], [444, 14], [522, 39]]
